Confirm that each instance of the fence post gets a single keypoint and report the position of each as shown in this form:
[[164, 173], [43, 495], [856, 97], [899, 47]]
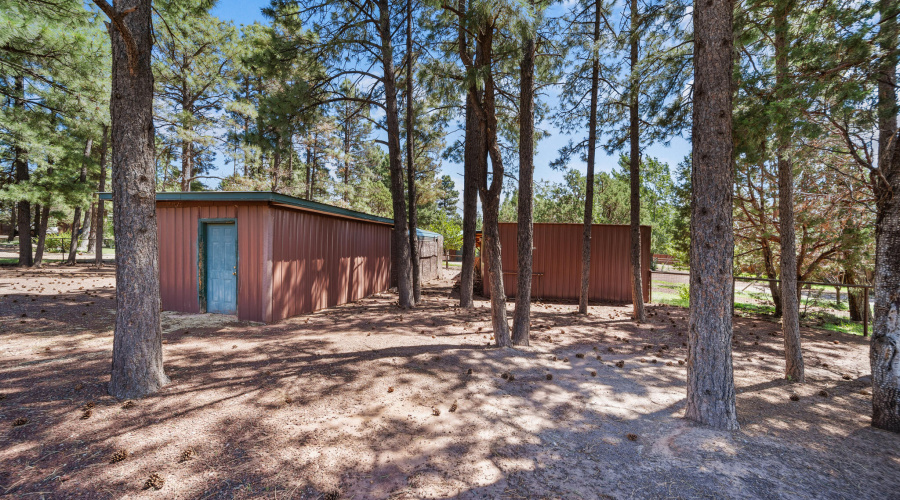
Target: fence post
[[866, 312]]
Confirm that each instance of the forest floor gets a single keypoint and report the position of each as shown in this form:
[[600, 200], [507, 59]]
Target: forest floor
[[369, 401]]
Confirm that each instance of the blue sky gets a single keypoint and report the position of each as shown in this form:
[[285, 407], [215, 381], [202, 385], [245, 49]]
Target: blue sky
[[248, 11]]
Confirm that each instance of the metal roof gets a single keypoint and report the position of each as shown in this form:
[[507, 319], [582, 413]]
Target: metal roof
[[421, 233], [276, 198]]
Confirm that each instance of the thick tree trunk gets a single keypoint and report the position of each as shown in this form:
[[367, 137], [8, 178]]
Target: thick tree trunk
[[490, 192], [41, 235], [710, 374], [475, 158], [76, 221], [855, 296], [491, 257], [790, 318], [22, 176], [884, 354], [401, 241], [637, 296], [101, 208], [137, 360], [525, 217], [410, 163], [584, 295], [85, 227]]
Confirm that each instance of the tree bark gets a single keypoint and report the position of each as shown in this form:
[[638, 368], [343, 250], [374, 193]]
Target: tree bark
[[101, 207], [710, 374], [92, 227], [36, 218], [401, 241], [85, 225], [584, 296], [309, 174], [410, 163], [475, 157], [42, 235], [855, 296], [187, 164], [884, 354], [772, 274], [137, 361], [490, 192], [22, 176], [76, 221], [790, 315], [637, 296], [13, 222], [525, 216]]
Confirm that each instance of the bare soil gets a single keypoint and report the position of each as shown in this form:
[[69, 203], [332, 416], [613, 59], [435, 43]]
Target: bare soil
[[370, 401]]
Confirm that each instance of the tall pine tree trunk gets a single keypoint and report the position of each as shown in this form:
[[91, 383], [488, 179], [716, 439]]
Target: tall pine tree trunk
[[41, 235], [401, 248], [76, 222], [884, 355], [790, 302], [710, 374], [772, 274], [490, 192], [137, 360], [525, 217], [13, 221], [22, 176], [346, 172], [637, 296], [92, 225], [475, 157], [309, 172], [187, 164], [410, 162], [589, 181], [101, 206]]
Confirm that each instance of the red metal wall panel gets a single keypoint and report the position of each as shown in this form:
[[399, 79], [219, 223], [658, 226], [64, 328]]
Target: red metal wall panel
[[320, 261], [557, 261], [179, 260]]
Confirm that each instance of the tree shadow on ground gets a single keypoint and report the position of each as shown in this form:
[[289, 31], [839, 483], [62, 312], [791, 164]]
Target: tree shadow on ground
[[358, 399]]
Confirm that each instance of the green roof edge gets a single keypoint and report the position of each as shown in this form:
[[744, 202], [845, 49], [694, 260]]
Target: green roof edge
[[264, 196]]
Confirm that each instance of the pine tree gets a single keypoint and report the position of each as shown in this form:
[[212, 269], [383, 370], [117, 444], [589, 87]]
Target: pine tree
[[710, 374], [194, 74], [137, 367]]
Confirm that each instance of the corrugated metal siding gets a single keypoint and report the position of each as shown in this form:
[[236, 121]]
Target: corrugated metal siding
[[320, 261], [178, 254], [557, 255]]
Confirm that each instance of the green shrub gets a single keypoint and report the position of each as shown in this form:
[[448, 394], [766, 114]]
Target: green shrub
[[57, 243], [684, 293]]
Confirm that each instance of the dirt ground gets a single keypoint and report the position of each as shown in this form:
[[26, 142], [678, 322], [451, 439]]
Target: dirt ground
[[369, 401]]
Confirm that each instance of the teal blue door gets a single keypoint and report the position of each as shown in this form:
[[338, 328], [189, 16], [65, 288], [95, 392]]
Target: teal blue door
[[221, 268]]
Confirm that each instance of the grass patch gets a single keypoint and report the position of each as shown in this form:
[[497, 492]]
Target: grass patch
[[754, 308], [844, 326], [670, 299]]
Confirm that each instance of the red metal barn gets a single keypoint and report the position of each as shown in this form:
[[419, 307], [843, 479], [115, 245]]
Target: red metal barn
[[557, 262], [266, 256]]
